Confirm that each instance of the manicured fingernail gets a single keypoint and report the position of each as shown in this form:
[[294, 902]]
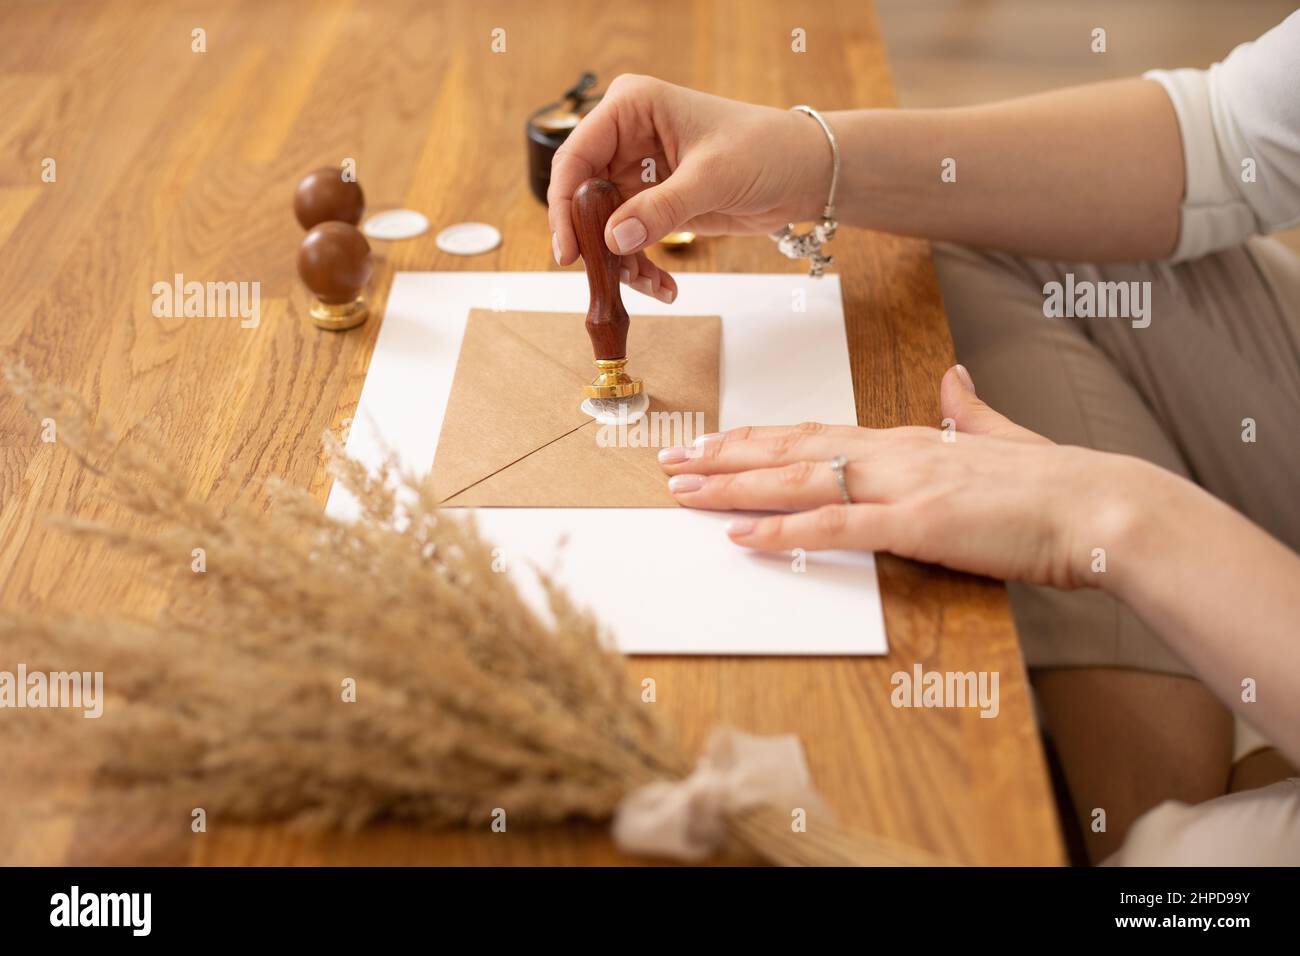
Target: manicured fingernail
[[706, 439], [624, 275], [642, 284], [665, 295], [682, 483], [629, 235], [740, 527], [965, 377], [670, 456], [555, 247]]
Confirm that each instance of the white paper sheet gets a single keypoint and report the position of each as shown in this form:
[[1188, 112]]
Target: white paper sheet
[[687, 589]]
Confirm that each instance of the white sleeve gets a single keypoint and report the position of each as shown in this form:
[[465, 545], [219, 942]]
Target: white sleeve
[[1240, 121]]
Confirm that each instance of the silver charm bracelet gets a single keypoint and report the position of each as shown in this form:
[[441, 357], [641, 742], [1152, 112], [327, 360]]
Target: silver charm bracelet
[[808, 245]]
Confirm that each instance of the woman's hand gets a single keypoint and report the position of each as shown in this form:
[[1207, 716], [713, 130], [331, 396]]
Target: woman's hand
[[989, 497], [1002, 501], [719, 166]]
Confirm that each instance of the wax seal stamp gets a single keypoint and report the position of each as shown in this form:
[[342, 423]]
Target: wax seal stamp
[[334, 263], [613, 393], [324, 195]]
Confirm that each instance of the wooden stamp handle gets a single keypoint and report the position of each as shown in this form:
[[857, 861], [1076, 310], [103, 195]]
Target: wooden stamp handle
[[607, 321]]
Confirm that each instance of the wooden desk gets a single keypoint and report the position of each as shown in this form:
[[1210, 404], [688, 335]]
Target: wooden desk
[[171, 161]]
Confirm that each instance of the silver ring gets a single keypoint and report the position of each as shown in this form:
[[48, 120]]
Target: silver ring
[[838, 464]]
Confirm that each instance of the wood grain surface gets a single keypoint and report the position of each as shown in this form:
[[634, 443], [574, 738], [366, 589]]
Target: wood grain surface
[[171, 161]]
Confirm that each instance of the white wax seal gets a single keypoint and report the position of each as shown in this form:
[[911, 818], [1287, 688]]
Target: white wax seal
[[395, 224], [617, 411], [469, 238]]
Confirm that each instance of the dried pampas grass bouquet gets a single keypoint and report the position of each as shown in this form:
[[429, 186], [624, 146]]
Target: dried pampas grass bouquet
[[235, 699]]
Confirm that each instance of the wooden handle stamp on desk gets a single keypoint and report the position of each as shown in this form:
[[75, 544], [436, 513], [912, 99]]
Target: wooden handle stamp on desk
[[607, 321], [334, 263]]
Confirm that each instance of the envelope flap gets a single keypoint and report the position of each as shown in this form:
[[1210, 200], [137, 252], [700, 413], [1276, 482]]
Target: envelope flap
[[503, 400], [514, 435], [560, 336]]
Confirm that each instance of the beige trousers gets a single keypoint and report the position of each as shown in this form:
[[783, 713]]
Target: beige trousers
[[1219, 361], [1253, 828]]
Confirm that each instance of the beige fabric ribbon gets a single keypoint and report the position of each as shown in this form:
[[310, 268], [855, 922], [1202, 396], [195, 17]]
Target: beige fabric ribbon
[[686, 819]]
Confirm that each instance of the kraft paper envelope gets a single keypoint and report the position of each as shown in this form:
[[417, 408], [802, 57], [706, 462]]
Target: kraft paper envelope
[[513, 434]]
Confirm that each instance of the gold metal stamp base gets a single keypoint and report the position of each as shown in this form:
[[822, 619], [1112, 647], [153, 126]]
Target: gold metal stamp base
[[612, 382], [337, 318]]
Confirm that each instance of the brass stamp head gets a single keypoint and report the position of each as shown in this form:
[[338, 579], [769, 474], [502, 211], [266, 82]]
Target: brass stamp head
[[612, 381], [340, 316]]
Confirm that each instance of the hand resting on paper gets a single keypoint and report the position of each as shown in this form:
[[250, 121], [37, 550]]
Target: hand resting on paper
[[1000, 500], [990, 497]]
